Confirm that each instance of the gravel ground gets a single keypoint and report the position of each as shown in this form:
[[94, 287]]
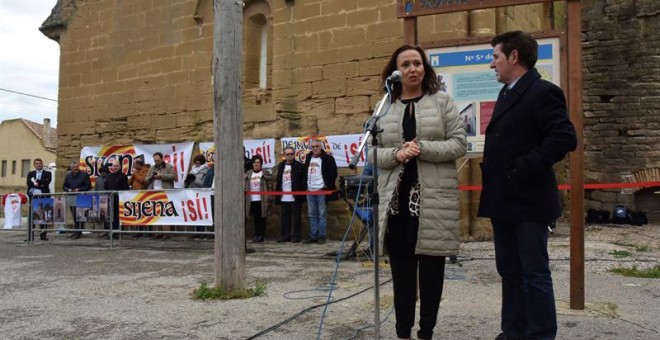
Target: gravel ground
[[83, 289]]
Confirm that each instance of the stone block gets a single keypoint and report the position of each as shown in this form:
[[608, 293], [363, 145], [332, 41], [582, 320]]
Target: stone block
[[362, 17], [333, 7], [306, 43], [340, 70], [317, 107], [307, 74], [363, 85], [352, 105], [483, 22], [385, 48], [353, 54], [306, 11], [329, 88], [384, 31], [345, 37], [371, 67], [258, 113], [325, 23]]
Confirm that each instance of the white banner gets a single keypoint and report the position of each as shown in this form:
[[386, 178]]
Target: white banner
[[263, 147], [170, 207], [177, 154], [341, 147]]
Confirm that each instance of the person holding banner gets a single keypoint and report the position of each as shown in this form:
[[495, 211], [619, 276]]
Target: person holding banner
[[290, 177], [257, 205], [422, 136], [528, 133], [161, 176]]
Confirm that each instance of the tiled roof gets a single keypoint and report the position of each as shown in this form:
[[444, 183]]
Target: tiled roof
[[38, 129]]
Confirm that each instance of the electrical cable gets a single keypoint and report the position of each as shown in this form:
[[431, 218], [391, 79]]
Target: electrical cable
[[295, 316], [355, 333]]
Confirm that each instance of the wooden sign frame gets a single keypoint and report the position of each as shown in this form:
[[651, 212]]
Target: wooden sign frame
[[409, 10]]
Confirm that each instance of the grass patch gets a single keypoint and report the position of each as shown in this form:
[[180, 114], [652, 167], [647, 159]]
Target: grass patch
[[641, 249], [651, 273], [620, 253], [204, 292]]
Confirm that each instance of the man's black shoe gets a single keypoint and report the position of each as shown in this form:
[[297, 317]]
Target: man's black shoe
[[76, 235], [283, 240], [321, 241], [310, 241], [42, 236], [295, 240], [259, 239]]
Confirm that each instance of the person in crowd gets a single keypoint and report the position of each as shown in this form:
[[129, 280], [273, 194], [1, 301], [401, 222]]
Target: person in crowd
[[290, 177], [320, 174], [76, 181], [209, 183], [38, 181], [195, 179], [421, 138], [161, 176], [247, 162], [138, 179], [529, 132], [99, 185], [116, 180], [257, 205]]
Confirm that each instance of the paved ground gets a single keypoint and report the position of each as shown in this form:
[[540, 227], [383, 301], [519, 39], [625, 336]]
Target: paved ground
[[64, 289]]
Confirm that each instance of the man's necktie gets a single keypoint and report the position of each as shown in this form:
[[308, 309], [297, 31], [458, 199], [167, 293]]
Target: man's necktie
[[506, 92]]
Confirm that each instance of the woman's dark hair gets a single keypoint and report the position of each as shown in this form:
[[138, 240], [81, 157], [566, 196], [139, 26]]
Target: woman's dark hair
[[255, 157], [199, 158], [525, 44], [430, 83]]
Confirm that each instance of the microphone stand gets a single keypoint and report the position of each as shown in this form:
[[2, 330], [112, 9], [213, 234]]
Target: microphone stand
[[372, 131]]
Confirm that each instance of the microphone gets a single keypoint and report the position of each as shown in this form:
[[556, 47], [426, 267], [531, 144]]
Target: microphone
[[395, 77]]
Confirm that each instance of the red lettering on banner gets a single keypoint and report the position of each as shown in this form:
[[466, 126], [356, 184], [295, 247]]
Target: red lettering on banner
[[176, 159], [351, 150], [194, 209]]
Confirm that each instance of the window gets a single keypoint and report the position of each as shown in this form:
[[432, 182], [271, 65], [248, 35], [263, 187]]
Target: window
[[25, 167], [4, 169], [257, 30], [13, 167]]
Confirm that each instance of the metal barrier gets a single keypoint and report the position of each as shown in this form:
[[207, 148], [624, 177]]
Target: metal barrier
[[66, 212]]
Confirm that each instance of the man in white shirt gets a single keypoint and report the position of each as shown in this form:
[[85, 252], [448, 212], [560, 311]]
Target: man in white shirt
[[321, 171], [290, 177]]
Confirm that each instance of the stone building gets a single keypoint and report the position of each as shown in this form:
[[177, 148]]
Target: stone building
[[622, 101], [140, 71]]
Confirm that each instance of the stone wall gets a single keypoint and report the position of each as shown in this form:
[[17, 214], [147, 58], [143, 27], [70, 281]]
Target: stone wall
[[621, 50], [140, 71]]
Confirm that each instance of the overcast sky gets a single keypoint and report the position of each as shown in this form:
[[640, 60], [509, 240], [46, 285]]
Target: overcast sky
[[29, 61]]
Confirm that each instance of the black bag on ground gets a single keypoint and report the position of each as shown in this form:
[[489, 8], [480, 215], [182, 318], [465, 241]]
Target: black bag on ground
[[638, 218], [620, 215], [597, 216]]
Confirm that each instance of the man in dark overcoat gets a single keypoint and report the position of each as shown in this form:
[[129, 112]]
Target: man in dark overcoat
[[528, 133]]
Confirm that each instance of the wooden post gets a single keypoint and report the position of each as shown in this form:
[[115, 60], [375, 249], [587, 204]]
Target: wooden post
[[576, 161], [229, 214], [410, 31]]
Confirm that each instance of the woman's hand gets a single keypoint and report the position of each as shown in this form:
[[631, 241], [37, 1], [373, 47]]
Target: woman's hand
[[408, 150]]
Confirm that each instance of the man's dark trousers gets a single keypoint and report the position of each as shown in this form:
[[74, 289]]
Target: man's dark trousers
[[291, 212], [521, 257]]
